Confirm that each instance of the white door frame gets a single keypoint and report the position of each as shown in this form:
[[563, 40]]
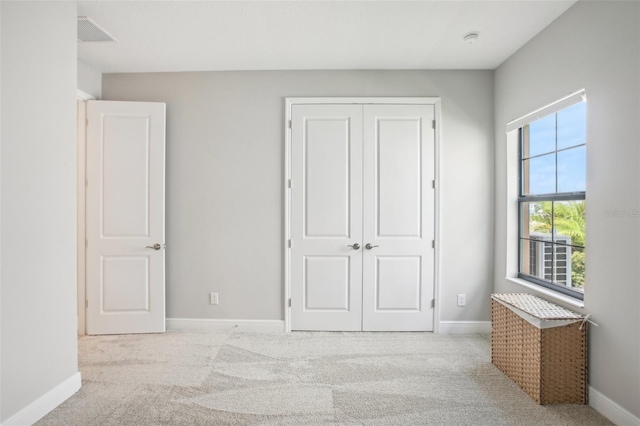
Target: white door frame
[[289, 102], [82, 98]]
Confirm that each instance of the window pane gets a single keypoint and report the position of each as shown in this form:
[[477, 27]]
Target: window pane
[[536, 220], [555, 263], [572, 126], [559, 259], [553, 257], [542, 136], [532, 260], [540, 259], [572, 169], [539, 175], [535, 258], [577, 269], [569, 222]]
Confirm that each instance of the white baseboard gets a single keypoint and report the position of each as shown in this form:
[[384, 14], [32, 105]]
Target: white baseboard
[[465, 327], [611, 410], [226, 325], [45, 404]]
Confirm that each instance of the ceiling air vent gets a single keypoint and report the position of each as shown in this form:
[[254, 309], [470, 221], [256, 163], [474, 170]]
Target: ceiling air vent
[[90, 32]]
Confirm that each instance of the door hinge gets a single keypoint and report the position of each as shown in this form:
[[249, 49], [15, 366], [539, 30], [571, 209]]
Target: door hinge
[[86, 243], [433, 243], [289, 123], [86, 122], [433, 124], [289, 302], [86, 183], [86, 303], [289, 243], [433, 184], [433, 303], [289, 183]]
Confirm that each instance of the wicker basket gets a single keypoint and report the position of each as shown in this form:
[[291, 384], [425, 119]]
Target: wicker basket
[[550, 362]]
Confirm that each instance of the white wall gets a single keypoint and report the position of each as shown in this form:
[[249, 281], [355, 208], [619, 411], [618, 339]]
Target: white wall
[[38, 166], [89, 80], [593, 45], [225, 155]]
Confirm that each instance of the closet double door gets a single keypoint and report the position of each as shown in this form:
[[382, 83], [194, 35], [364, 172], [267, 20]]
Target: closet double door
[[362, 217]]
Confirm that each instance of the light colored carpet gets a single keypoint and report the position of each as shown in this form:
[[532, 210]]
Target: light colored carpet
[[207, 378]]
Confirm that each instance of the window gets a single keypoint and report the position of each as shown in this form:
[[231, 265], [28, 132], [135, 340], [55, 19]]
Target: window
[[551, 199]]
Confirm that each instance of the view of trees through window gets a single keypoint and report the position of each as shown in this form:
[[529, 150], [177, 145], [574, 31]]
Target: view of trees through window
[[567, 219], [552, 200]]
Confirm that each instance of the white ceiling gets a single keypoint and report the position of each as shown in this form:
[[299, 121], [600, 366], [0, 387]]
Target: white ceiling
[[161, 36]]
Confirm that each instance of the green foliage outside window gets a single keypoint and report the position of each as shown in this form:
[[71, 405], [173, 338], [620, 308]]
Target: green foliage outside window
[[567, 217]]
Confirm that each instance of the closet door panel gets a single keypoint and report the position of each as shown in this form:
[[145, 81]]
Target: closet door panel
[[326, 217], [398, 217]]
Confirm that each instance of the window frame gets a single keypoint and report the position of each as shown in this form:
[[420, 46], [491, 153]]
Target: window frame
[[520, 125]]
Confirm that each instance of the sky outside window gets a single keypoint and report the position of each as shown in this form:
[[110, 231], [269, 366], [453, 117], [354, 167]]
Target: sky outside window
[[564, 131]]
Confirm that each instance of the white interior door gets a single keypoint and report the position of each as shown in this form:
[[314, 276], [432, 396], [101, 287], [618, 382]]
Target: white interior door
[[326, 217], [398, 274], [125, 217], [362, 217]]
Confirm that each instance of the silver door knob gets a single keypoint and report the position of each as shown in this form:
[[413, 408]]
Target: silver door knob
[[355, 246], [368, 246], [155, 247]]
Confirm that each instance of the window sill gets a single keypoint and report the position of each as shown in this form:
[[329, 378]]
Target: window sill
[[548, 293]]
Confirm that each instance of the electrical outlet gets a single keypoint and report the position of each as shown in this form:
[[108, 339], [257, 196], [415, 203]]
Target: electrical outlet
[[461, 300], [213, 298]]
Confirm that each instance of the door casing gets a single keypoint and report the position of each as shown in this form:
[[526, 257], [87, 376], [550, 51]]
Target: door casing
[[289, 102], [82, 98]]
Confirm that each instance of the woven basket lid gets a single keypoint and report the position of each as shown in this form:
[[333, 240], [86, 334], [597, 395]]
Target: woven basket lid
[[536, 307]]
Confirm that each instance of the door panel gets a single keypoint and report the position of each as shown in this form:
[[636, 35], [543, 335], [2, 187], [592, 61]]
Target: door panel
[[326, 177], [326, 283], [125, 284], [326, 217], [125, 217], [398, 283], [125, 196], [399, 164], [398, 218]]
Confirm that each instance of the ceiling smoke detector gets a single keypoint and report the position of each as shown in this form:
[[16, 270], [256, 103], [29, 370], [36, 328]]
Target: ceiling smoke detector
[[90, 32], [470, 38]]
